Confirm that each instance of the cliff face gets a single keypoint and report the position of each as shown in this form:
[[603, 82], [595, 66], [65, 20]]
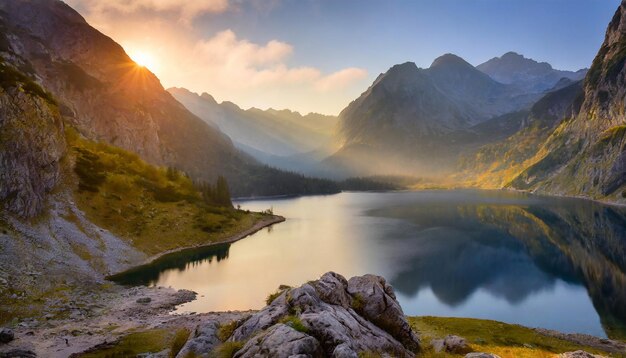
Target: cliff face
[[31, 142], [586, 154], [106, 95]]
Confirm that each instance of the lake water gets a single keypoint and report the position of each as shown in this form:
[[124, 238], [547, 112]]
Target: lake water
[[540, 262]]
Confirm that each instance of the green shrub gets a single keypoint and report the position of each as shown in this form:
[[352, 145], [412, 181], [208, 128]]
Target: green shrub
[[120, 184], [228, 349], [226, 330], [89, 170], [358, 303], [12, 78], [272, 296], [179, 341], [295, 323]]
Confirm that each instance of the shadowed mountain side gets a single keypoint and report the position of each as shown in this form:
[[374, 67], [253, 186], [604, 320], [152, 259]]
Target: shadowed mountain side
[[422, 119]]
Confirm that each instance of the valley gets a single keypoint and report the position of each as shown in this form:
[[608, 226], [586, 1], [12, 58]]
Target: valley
[[445, 210]]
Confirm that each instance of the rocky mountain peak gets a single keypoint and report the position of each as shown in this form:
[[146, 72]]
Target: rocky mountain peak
[[526, 73], [606, 81], [449, 61]]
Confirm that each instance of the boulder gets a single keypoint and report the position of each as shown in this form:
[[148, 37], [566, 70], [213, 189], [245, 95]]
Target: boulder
[[203, 340], [344, 324], [344, 351], [481, 355], [376, 301], [144, 300], [6, 335], [281, 341], [451, 344], [18, 353], [578, 354]]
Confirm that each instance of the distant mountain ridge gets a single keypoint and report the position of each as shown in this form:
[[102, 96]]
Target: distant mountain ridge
[[281, 138], [530, 75], [275, 132], [422, 118]]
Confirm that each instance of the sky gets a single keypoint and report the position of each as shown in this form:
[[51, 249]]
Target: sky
[[318, 55]]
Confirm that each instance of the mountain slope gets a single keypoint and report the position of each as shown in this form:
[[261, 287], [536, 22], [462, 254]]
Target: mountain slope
[[262, 134], [587, 154], [422, 118], [528, 74], [106, 95], [102, 93]]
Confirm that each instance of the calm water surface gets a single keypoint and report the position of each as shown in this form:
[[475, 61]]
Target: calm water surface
[[540, 262]]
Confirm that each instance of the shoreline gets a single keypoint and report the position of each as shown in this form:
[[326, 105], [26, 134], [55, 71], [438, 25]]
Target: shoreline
[[260, 225]]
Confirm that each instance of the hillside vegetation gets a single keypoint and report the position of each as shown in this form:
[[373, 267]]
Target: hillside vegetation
[[156, 209]]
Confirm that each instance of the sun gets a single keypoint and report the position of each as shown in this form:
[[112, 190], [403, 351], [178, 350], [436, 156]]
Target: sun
[[144, 59]]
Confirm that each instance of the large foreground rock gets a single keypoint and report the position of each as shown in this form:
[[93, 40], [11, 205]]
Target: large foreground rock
[[281, 341], [203, 340], [330, 317]]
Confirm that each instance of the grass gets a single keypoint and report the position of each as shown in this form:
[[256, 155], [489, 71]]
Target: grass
[[505, 340], [11, 77], [180, 338], [272, 296], [227, 349], [295, 323], [153, 341], [358, 303], [226, 330], [148, 206]]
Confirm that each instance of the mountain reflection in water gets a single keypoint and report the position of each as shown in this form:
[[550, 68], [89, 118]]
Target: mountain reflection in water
[[549, 262]]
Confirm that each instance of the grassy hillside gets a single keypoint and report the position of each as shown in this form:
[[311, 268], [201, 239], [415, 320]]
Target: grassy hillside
[[156, 209], [505, 340]]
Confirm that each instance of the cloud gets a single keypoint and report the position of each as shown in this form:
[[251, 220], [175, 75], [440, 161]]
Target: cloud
[[340, 79], [186, 10], [239, 63], [262, 74]]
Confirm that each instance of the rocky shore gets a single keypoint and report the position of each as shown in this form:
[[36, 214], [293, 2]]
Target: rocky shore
[[328, 317]]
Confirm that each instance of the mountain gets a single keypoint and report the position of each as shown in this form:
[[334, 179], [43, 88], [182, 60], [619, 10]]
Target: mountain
[[586, 154], [423, 118], [274, 137], [528, 74], [574, 141], [89, 83]]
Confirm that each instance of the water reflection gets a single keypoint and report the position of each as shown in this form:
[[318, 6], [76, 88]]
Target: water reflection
[[149, 274], [554, 263]]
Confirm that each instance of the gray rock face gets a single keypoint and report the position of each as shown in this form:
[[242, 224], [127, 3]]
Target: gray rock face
[[204, 339], [281, 341], [451, 344], [6, 335], [379, 305], [342, 324], [578, 354], [18, 353], [31, 145], [481, 355]]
